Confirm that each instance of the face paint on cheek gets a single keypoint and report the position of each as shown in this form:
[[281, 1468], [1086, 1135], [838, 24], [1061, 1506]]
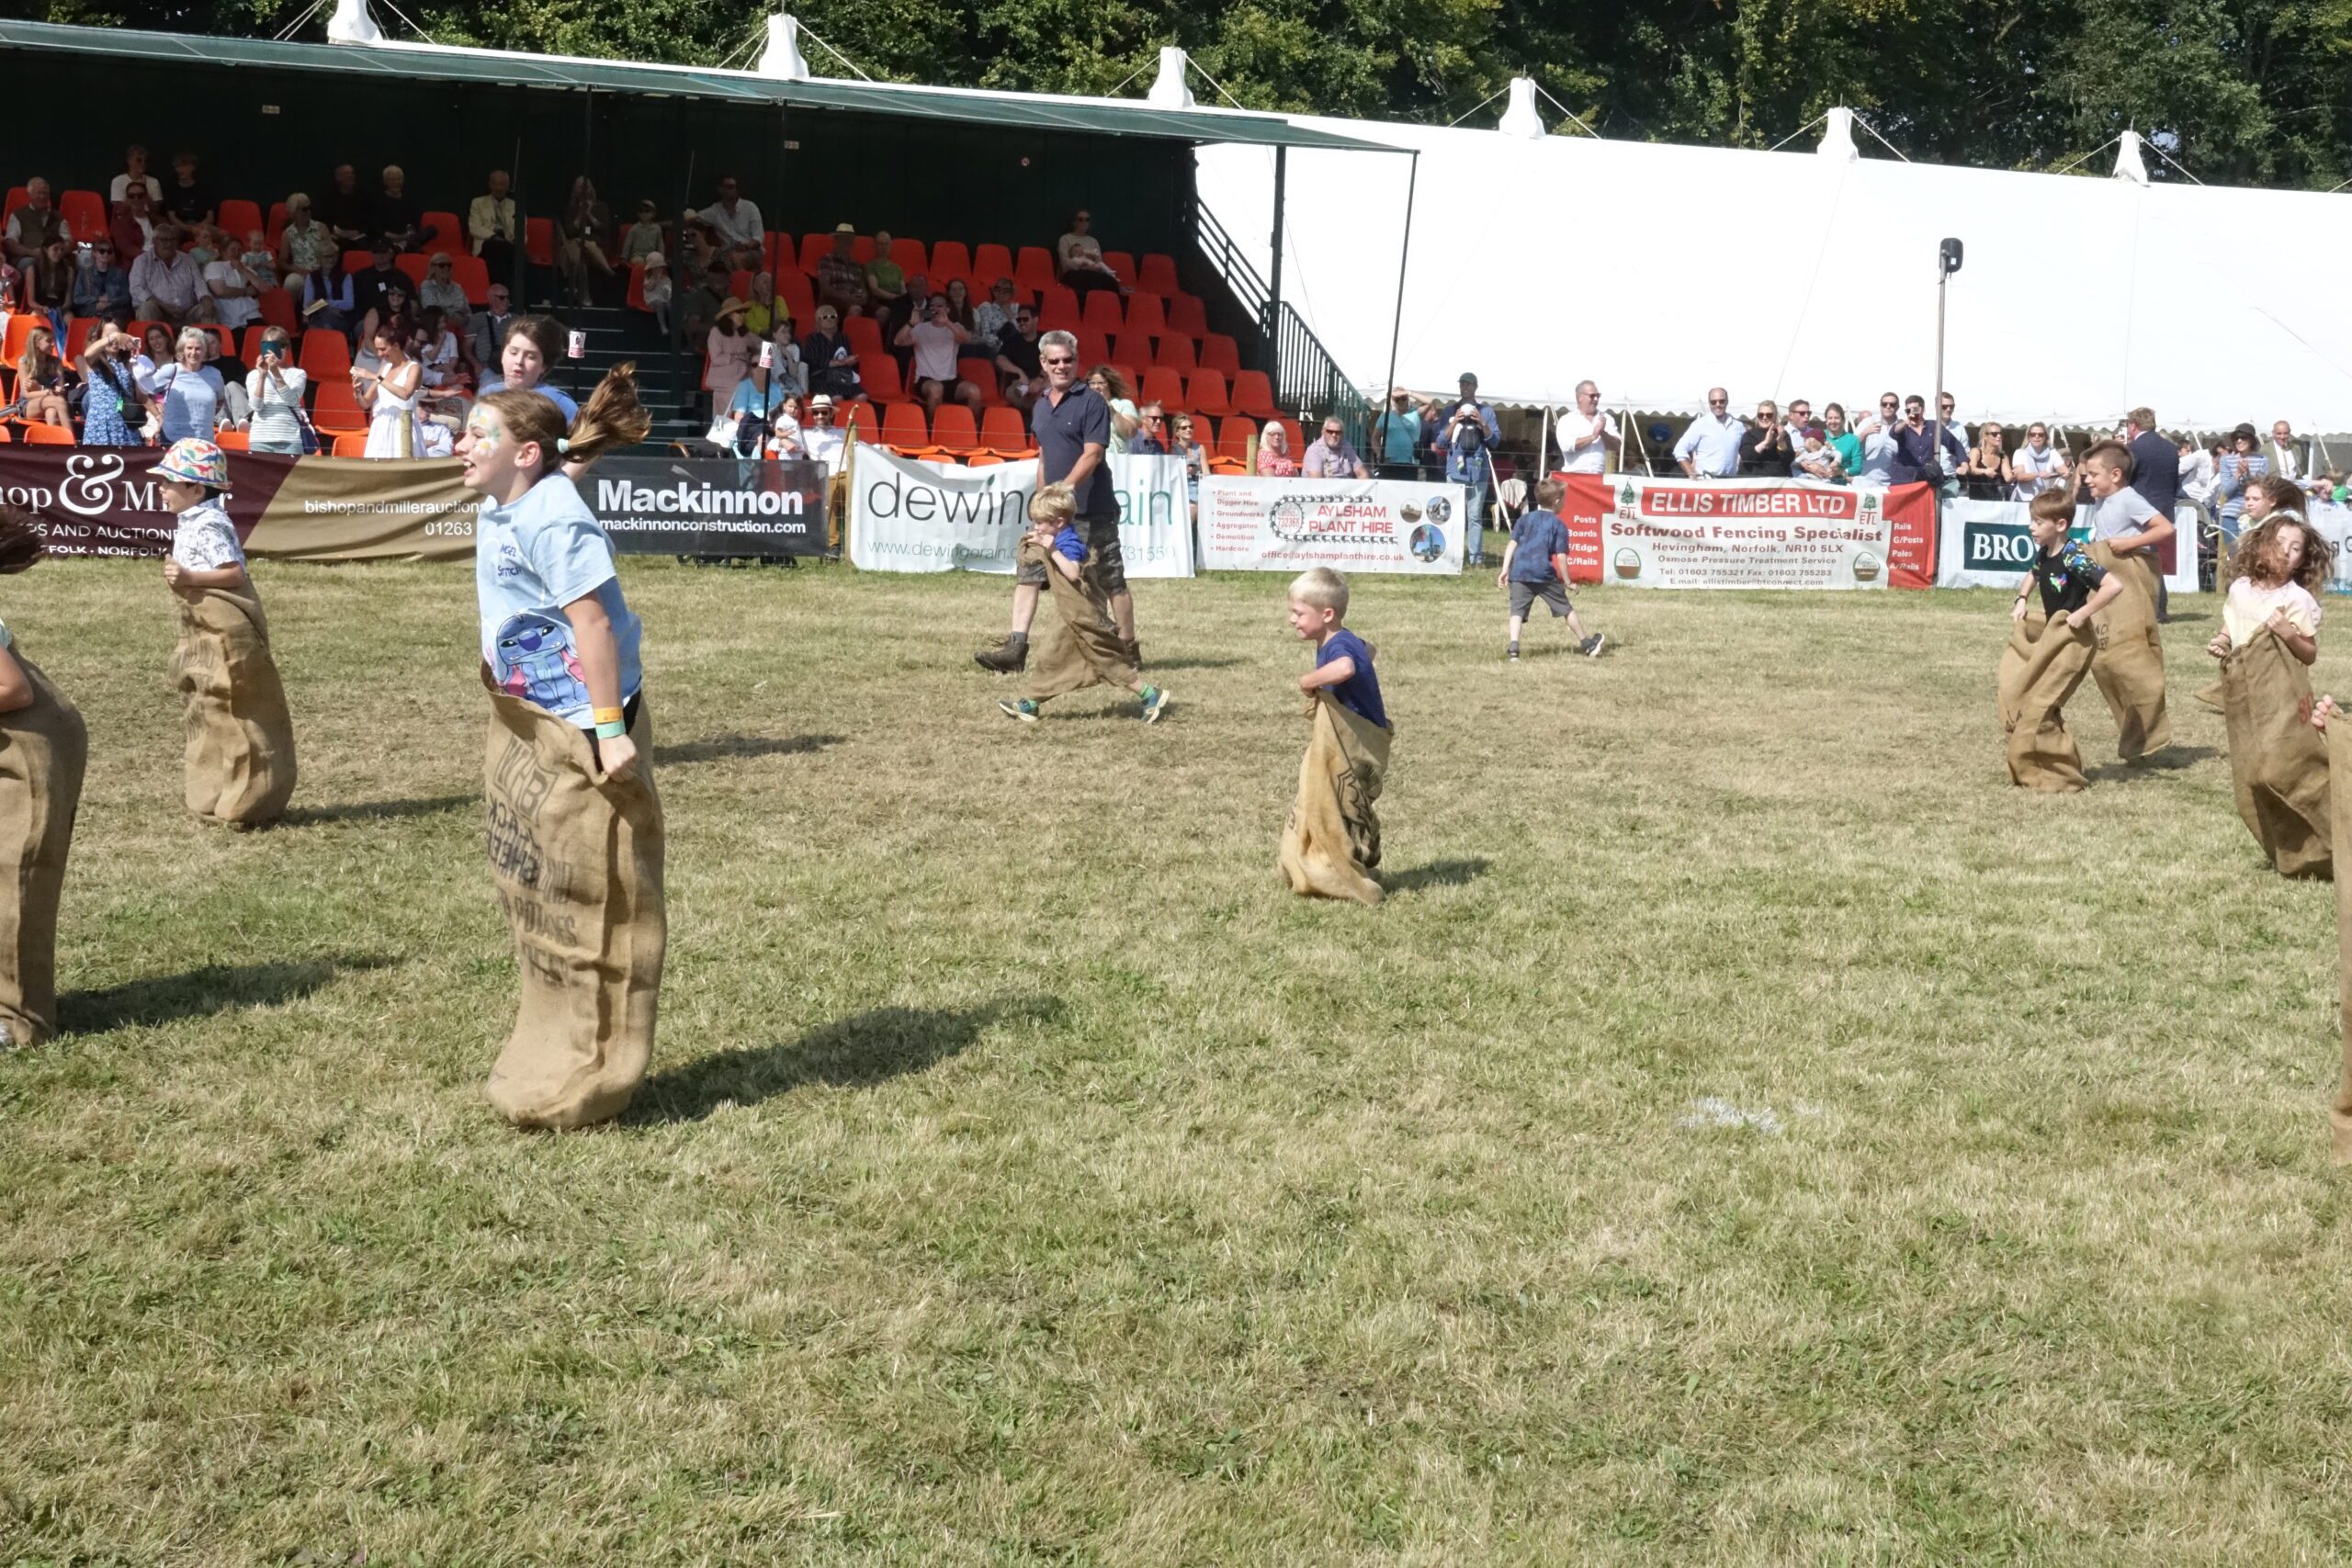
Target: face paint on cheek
[[485, 435]]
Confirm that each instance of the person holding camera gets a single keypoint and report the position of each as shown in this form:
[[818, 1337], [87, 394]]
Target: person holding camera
[[1466, 442], [113, 408], [275, 388]]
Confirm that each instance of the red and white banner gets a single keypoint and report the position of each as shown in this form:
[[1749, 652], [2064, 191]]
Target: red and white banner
[[1637, 532]]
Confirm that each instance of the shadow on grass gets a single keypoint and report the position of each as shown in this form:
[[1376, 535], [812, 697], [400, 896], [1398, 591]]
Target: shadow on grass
[[1437, 874], [865, 1048], [1191, 664], [373, 810], [719, 747], [201, 993], [2171, 759]]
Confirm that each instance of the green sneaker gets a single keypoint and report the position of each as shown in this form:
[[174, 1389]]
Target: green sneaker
[[1155, 703], [1024, 710]]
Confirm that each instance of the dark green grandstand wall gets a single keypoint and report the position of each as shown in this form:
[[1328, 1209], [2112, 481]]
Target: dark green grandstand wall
[[262, 135]]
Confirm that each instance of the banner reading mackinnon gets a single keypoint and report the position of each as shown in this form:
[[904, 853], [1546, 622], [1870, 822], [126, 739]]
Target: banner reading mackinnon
[[708, 507], [906, 515], [1263, 524]]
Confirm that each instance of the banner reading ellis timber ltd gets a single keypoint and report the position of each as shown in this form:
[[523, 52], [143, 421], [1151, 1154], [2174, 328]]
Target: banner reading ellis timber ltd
[[1634, 532]]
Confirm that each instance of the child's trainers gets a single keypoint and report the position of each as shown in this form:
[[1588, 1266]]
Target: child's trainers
[[1155, 703], [1514, 653], [1590, 648], [1025, 710]]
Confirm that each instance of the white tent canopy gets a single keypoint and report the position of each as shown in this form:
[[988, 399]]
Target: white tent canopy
[[1658, 271]]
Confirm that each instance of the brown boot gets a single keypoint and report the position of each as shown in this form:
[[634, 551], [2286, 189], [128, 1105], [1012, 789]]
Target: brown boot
[[1010, 657]]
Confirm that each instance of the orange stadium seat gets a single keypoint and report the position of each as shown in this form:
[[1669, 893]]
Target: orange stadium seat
[[1219, 352], [1035, 269], [1004, 432], [1165, 388], [1176, 351], [240, 219], [911, 255], [1253, 395], [1101, 312], [85, 211], [1187, 314], [953, 258], [952, 429], [1208, 394], [1132, 348], [992, 262], [1157, 272], [351, 444], [880, 377], [49, 435], [903, 427], [326, 355], [1233, 437], [1146, 313]]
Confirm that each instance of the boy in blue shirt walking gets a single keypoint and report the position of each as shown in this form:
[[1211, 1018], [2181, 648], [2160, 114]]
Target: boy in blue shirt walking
[[1539, 542]]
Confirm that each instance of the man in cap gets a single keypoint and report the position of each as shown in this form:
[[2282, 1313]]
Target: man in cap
[[1467, 437]]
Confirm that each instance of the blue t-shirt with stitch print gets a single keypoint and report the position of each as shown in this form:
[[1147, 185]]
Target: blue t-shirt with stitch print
[[1540, 536], [1070, 544], [531, 560], [1359, 693]]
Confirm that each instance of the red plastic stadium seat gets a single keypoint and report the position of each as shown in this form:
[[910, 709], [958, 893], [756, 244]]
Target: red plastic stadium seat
[[911, 255], [1057, 312], [1219, 352], [277, 222], [49, 435], [1187, 314], [4, 437], [1094, 349], [470, 273], [442, 232], [1121, 263], [1297, 436], [865, 335], [1254, 395], [739, 284], [1101, 311], [813, 249], [1158, 274], [351, 444], [1176, 351], [77, 336], [338, 408], [326, 357], [239, 219], [799, 294], [992, 262], [18, 196], [1208, 395], [879, 374], [1133, 348], [903, 427], [12, 346], [983, 460], [230, 440], [951, 258], [278, 310], [1233, 438], [952, 429], [358, 261], [412, 267], [85, 211], [1128, 377], [1163, 387], [538, 241], [636, 286], [1036, 267], [1146, 313], [1003, 431], [249, 349]]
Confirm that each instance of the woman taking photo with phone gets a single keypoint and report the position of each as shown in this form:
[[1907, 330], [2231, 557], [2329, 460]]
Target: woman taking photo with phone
[[275, 389]]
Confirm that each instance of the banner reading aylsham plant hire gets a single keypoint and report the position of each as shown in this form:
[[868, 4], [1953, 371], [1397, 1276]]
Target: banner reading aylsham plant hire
[[907, 515], [1350, 526], [1646, 533]]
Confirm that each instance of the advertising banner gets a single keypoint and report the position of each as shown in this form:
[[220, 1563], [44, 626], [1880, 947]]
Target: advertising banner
[[1987, 543], [1350, 526], [1637, 532], [909, 515], [679, 506], [102, 500]]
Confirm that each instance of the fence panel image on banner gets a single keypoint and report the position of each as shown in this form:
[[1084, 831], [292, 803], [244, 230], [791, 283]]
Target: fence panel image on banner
[[1351, 525], [906, 515]]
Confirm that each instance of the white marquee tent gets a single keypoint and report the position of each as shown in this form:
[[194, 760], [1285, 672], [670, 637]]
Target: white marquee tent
[[1659, 270]]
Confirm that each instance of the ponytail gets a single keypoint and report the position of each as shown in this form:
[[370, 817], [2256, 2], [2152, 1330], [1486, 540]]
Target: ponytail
[[613, 417]]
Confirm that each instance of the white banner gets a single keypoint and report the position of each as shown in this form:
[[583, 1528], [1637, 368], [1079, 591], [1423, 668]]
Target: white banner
[[907, 515], [1986, 543], [1769, 534], [1351, 525]]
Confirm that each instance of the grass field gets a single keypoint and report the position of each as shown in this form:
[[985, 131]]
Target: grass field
[[1749, 1133]]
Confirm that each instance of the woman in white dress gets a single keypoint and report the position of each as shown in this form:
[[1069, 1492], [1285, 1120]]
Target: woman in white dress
[[389, 393]]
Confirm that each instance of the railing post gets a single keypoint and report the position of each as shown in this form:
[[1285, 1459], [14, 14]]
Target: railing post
[[1272, 330]]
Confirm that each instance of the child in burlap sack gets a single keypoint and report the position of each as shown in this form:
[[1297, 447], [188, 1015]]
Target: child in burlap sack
[[2126, 532], [1331, 840], [2268, 641], [2051, 642], [576, 833], [239, 765], [43, 749], [1089, 649], [2338, 735]]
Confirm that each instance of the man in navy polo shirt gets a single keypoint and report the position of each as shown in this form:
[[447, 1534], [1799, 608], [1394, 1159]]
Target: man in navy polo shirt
[[2155, 474], [1072, 425]]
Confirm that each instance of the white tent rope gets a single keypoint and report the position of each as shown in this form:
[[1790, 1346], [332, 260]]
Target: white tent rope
[[1130, 76], [404, 16], [1193, 64], [1473, 109], [2169, 158], [808, 32], [1883, 142], [1565, 110], [2085, 157], [1793, 135], [1812, 279], [289, 30], [752, 41]]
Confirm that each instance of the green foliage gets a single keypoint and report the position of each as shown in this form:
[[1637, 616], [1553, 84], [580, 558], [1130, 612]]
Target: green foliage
[[2234, 90]]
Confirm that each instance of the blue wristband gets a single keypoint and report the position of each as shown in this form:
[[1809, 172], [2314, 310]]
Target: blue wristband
[[610, 729]]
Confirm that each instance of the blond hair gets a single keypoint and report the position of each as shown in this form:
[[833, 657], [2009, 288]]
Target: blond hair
[[1054, 503], [1322, 587]]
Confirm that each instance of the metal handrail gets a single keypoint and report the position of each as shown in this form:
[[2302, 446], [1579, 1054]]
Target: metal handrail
[[1305, 375]]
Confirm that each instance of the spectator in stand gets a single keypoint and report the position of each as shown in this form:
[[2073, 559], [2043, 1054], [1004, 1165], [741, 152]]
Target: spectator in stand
[[132, 226], [1586, 436], [1186, 445], [1397, 435], [31, 226], [1985, 473], [660, 293], [1818, 461], [790, 371], [304, 245], [1841, 439], [348, 212], [1880, 451], [2236, 471], [134, 175], [165, 284], [486, 331], [2199, 480], [493, 229], [2285, 461], [1275, 461], [1924, 454], [444, 362], [824, 441], [938, 342], [644, 237], [1798, 416], [1108, 385], [704, 294], [12, 285], [397, 215], [785, 442], [1955, 441], [370, 286], [759, 311], [45, 284], [727, 354], [389, 393], [188, 201], [441, 292], [188, 389], [1709, 447], [841, 281], [40, 381], [1331, 457], [833, 363], [992, 319], [1079, 259], [156, 354], [886, 281], [274, 388], [1017, 360], [1468, 440], [2035, 467], [328, 300], [532, 344], [114, 407], [579, 242], [236, 287], [1767, 453], [959, 310], [742, 233], [756, 404], [1151, 432], [2155, 474]]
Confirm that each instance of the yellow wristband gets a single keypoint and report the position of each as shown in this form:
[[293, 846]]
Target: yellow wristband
[[605, 716]]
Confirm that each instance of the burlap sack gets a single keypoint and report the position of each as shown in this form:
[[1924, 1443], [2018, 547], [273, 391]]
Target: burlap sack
[[577, 859], [240, 758], [1084, 649], [1331, 842], [2277, 761], [42, 748], [2339, 815], [2130, 664], [2040, 670]]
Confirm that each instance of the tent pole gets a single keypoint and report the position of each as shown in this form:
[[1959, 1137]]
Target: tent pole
[[1397, 322], [1273, 328]]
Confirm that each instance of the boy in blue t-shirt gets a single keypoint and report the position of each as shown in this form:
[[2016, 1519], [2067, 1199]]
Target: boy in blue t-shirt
[[1318, 604], [1538, 542], [1092, 651], [1331, 842]]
